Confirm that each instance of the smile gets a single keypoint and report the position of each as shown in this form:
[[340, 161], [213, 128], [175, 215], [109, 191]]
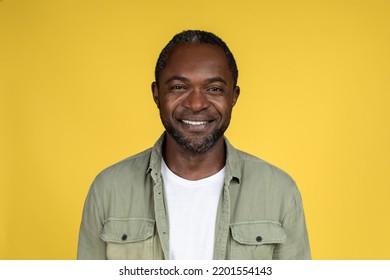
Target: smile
[[195, 122]]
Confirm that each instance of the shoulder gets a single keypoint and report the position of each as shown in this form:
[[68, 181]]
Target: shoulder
[[264, 166], [261, 188], [260, 172], [124, 170], [122, 186]]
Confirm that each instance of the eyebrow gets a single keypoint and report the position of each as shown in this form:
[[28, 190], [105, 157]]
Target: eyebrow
[[184, 79], [217, 79], [180, 78]]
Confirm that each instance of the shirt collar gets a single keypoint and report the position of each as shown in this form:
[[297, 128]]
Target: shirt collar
[[233, 161]]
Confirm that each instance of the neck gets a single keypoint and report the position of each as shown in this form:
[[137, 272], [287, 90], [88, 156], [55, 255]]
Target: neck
[[194, 166]]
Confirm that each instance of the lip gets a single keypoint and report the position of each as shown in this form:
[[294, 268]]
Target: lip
[[195, 122], [196, 125]]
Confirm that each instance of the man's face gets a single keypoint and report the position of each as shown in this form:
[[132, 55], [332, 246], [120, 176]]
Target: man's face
[[196, 95]]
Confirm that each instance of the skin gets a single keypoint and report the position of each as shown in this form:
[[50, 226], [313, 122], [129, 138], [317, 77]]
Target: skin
[[196, 86]]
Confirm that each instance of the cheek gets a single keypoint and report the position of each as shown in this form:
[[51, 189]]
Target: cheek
[[167, 109], [171, 105], [223, 108]]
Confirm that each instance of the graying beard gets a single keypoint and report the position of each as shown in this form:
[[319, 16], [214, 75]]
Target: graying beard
[[205, 145]]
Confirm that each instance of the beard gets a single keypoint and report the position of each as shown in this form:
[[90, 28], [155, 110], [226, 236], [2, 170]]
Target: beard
[[195, 145]]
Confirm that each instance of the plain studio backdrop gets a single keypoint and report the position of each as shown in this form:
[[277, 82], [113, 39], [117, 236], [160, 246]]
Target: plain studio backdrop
[[75, 98]]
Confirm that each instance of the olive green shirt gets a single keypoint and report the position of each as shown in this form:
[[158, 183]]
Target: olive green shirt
[[260, 214]]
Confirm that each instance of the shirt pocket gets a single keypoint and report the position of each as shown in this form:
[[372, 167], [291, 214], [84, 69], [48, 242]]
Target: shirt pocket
[[129, 239], [255, 240]]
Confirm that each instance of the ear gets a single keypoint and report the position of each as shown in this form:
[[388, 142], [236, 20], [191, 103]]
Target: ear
[[236, 94], [155, 94]]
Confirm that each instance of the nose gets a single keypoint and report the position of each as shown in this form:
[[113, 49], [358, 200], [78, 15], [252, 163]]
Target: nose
[[196, 101]]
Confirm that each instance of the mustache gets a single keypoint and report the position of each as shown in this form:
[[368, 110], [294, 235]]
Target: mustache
[[196, 116]]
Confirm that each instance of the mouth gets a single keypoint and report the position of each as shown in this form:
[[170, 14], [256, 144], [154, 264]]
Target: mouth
[[196, 123]]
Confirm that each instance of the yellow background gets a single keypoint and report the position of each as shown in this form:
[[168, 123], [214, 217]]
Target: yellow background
[[75, 97]]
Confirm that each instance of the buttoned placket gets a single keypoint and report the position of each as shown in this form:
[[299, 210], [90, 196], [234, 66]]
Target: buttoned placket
[[222, 227], [160, 212], [223, 216]]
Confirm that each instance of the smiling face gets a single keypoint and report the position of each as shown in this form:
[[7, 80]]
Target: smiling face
[[195, 95]]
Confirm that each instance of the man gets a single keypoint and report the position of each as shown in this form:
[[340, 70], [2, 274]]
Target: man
[[193, 196]]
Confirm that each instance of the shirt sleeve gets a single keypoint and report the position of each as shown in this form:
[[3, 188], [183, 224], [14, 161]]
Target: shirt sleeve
[[297, 242], [90, 245]]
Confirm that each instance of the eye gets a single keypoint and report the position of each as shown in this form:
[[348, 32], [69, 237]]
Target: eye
[[215, 89], [178, 88]]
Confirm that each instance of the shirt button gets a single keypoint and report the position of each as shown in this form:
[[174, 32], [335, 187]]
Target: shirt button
[[259, 238], [124, 237]]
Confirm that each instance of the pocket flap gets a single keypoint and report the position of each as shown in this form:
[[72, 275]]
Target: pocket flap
[[127, 230], [257, 233]]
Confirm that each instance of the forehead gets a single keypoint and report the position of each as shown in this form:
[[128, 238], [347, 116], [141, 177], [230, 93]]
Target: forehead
[[195, 49], [196, 57]]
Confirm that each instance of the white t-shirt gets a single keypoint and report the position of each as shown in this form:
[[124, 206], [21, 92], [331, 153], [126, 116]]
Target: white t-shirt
[[192, 211]]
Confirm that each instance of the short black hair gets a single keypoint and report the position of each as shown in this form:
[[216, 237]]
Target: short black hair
[[197, 37]]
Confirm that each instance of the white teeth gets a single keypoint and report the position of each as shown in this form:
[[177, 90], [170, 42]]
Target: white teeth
[[194, 122]]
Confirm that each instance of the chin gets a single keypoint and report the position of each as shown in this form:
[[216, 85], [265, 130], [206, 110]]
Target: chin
[[195, 145]]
